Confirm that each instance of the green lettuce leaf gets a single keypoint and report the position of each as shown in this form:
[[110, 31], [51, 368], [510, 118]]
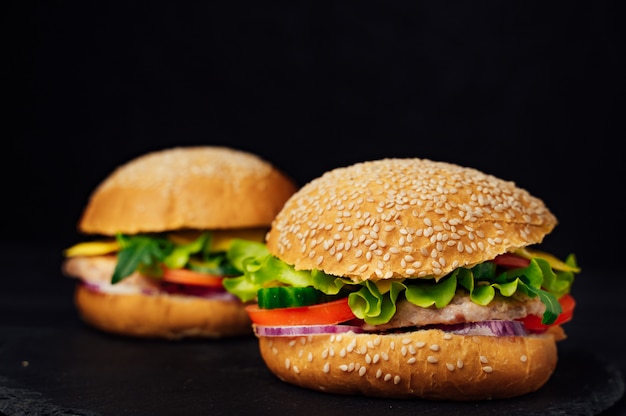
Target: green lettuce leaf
[[428, 292], [147, 252], [140, 252], [374, 307]]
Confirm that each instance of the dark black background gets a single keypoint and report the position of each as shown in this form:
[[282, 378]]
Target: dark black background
[[529, 91]]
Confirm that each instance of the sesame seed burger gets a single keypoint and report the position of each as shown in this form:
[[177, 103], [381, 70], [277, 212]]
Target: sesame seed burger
[[408, 278], [159, 227]]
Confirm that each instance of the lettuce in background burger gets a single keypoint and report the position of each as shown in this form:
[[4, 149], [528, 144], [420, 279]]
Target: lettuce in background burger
[[160, 227], [408, 278]]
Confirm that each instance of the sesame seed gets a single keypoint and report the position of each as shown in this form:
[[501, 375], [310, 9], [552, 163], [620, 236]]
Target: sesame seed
[[387, 377], [487, 369], [397, 380], [362, 371], [326, 368], [450, 366], [432, 360], [411, 360], [483, 359], [434, 347], [351, 345], [420, 344], [523, 358]]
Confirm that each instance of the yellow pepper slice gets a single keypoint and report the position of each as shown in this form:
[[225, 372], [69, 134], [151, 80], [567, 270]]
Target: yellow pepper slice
[[220, 239], [92, 248], [554, 262]]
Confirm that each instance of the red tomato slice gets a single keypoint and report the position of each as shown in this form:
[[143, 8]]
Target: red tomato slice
[[329, 313], [511, 260], [533, 322], [190, 277]]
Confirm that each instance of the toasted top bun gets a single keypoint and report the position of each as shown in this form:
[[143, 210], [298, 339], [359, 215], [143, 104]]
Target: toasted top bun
[[202, 187], [396, 218]]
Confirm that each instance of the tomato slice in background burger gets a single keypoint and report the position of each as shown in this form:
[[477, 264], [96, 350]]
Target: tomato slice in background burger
[[533, 322], [328, 313], [190, 277]]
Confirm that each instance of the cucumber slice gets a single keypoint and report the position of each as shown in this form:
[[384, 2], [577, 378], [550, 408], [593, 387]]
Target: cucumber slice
[[288, 297]]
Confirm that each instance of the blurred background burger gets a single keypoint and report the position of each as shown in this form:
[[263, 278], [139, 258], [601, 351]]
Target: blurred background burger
[[158, 229]]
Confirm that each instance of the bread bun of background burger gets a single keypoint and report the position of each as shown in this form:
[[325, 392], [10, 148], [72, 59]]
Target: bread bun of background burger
[[176, 194], [376, 225]]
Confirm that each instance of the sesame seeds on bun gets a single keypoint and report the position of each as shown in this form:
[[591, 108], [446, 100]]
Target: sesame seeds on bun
[[395, 218], [201, 187], [429, 364]]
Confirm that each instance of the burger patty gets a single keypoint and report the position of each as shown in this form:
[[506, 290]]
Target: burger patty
[[97, 271], [461, 309]]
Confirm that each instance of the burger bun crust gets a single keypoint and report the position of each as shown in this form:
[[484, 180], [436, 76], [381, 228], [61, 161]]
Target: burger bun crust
[[161, 316], [201, 187], [427, 364], [397, 218]]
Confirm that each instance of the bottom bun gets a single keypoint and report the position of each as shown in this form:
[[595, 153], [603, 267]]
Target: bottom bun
[[162, 316], [427, 364]]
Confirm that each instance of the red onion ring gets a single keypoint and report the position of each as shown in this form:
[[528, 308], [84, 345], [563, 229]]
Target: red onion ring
[[297, 330]]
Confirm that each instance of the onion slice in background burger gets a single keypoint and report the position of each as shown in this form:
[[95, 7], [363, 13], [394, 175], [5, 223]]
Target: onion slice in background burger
[[432, 260]]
